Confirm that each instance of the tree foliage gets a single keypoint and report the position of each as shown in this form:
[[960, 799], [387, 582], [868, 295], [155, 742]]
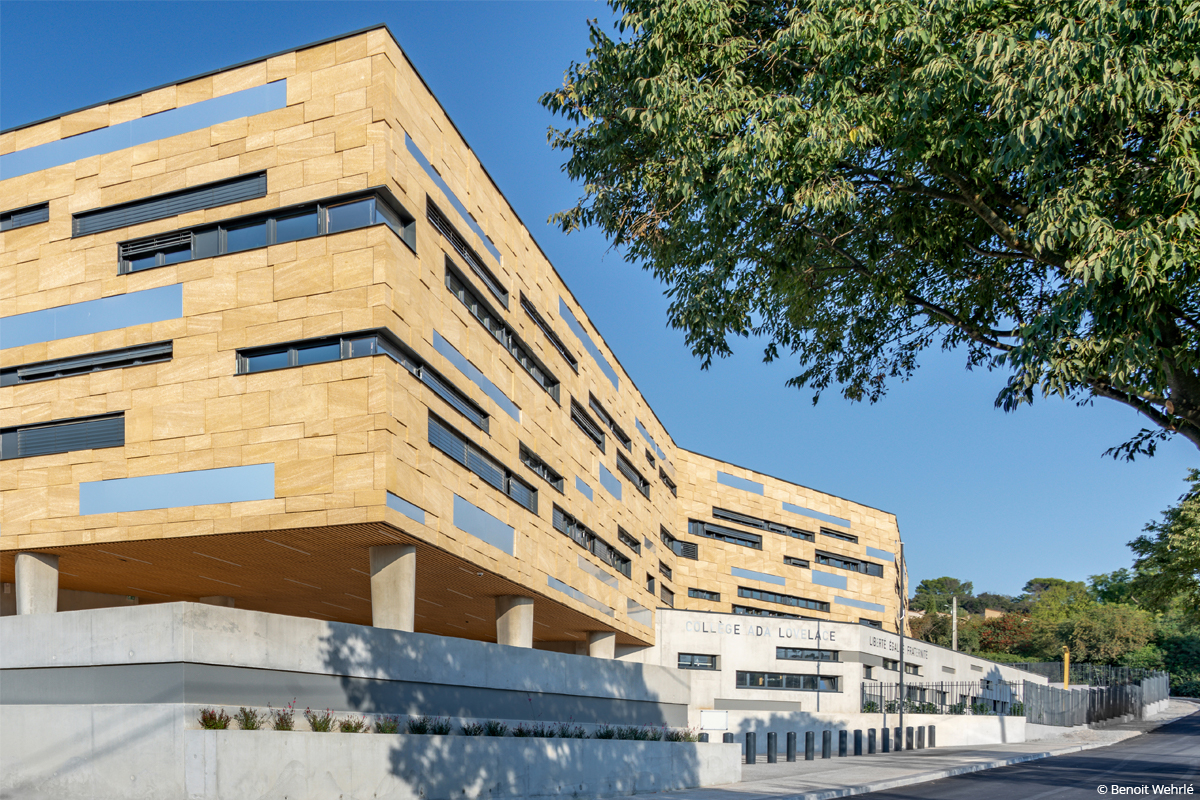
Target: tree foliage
[[1168, 555], [934, 594], [859, 180]]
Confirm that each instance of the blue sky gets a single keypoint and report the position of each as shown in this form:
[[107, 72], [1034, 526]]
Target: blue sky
[[981, 495]]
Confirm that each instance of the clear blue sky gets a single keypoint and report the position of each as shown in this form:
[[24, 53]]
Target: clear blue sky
[[981, 495]]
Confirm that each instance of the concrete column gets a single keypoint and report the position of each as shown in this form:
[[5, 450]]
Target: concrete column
[[37, 583], [218, 600], [602, 644], [394, 586], [514, 620]]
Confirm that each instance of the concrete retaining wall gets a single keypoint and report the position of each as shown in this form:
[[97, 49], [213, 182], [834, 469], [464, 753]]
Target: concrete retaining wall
[[952, 730], [145, 752]]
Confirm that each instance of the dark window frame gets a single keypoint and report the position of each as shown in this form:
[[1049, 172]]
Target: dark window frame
[[598, 409], [631, 474], [386, 344], [704, 594], [228, 191], [102, 427], [702, 661], [768, 596], [442, 224], [210, 240], [807, 654], [793, 561], [24, 217], [720, 533], [845, 537], [566, 524], [73, 366], [585, 423], [753, 611], [627, 539], [475, 458], [849, 564], [786, 681], [666, 594], [538, 466], [462, 288], [738, 518], [670, 484], [871, 623], [538, 320]]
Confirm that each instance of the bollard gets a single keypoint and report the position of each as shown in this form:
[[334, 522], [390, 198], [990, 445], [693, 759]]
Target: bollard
[[871, 742], [886, 747], [843, 736], [727, 738], [858, 743], [809, 745], [897, 740], [921, 737], [908, 738], [751, 747], [826, 744], [791, 746], [933, 735], [703, 737], [772, 747]]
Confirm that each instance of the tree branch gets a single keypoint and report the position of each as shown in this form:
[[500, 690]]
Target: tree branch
[[1102, 388]]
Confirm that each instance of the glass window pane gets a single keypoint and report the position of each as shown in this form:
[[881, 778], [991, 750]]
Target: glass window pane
[[265, 361], [331, 351], [298, 226], [246, 237], [829, 685], [143, 261], [364, 347], [774, 680], [350, 215], [177, 254]]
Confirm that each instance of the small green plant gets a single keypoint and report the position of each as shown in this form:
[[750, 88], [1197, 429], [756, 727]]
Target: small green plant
[[494, 728], [387, 724], [319, 721], [680, 735], [440, 726], [471, 729], [418, 725], [604, 732], [637, 733], [1016, 710], [353, 725], [870, 707], [522, 731], [981, 709], [283, 719], [565, 730], [892, 707], [213, 719], [249, 719], [957, 708]]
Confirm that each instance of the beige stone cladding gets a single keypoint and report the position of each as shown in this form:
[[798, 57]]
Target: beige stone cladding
[[707, 486], [345, 434]]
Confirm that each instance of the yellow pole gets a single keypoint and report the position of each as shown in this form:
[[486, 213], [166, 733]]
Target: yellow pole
[[1066, 667]]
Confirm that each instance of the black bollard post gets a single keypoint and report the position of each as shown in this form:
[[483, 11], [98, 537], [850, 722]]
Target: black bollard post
[[810, 748], [826, 744], [703, 737], [727, 738], [843, 736], [933, 735], [858, 743], [897, 740], [871, 742], [791, 746], [751, 747], [920, 737], [886, 747], [908, 738], [772, 747]]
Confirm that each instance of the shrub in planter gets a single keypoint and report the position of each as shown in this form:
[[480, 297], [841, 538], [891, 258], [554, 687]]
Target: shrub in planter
[[471, 729], [387, 724], [680, 735], [604, 732], [319, 721], [494, 727], [870, 707], [523, 731], [283, 719], [565, 730], [635, 733], [249, 719], [438, 726], [213, 719], [353, 725], [1016, 710]]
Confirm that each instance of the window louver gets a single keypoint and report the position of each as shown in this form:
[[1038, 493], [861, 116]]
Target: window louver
[[63, 436], [21, 217], [440, 223], [235, 190], [453, 444], [81, 365]]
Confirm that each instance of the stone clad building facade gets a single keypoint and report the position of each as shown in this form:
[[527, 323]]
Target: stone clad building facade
[[272, 338]]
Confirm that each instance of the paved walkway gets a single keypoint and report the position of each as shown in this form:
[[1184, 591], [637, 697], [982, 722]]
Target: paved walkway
[[843, 777]]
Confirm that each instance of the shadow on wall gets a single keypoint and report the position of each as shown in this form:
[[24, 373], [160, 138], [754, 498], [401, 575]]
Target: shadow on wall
[[411, 674]]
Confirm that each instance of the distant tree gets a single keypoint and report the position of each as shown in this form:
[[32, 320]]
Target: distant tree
[[858, 181], [1112, 587], [1035, 586], [1168, 555], [1011, 633], [1063, 601], [933, 594], [1107, 634], [997, 602]]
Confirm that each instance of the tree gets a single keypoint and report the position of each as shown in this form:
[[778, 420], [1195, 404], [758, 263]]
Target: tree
[[857, 181], [1112, 587], [1168, 555], [1066, 600], [1011, 633], [999, 602], [933, 594], [1109, 633]]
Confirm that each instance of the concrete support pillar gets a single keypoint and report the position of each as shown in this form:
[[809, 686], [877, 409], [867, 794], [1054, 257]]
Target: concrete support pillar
[[394, 586], [602, 644], [514, 620], [218, 600], [37, 583]]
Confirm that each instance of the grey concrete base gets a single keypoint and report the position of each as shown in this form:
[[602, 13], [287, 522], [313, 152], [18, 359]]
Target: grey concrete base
[[274, 765]]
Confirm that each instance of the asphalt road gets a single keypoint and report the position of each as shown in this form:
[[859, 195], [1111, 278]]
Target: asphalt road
[[1166, 757]]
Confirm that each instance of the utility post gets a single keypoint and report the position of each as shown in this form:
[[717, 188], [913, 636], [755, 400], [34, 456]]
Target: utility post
[[954, 622], [903, 616]]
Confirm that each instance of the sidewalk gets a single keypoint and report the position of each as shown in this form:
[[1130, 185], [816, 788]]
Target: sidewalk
[[843, 777]]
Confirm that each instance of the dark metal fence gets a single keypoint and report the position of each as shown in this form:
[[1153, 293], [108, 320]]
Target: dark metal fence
[[1049, 705], [982, 697], [1086, 674]]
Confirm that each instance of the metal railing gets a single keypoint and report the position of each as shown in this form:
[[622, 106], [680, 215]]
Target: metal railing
[[981, 698], [1086, 674], [1049, 705]]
